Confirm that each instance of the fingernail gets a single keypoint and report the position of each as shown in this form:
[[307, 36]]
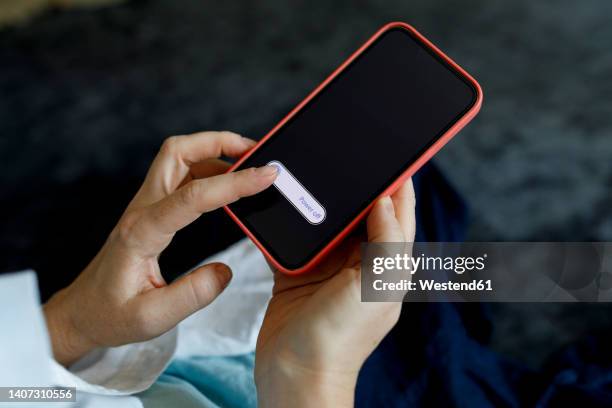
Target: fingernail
[[266, 171], [225, 274]]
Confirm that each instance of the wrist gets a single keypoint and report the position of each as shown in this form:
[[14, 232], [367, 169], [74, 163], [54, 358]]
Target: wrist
[[67, 344], [287, 384]]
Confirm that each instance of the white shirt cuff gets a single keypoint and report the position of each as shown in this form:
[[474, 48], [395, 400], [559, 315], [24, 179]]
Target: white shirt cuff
[[119, 370]]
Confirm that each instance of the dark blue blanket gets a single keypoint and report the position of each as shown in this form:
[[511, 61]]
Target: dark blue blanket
[[437, 354]]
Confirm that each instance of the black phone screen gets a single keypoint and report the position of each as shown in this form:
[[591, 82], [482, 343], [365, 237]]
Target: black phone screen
[[350, 142]]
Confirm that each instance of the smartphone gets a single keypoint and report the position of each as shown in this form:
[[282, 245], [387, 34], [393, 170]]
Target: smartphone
[[363, 131]]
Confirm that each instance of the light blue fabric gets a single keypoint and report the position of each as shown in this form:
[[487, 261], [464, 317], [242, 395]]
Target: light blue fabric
[[204, 382]]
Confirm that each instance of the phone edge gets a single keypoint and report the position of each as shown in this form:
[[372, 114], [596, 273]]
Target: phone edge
[[425, 157]]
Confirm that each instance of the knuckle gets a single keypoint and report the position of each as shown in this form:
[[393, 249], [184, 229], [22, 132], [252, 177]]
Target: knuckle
[[127, 225], [201, 291], [141, 322], [191, 192], [237, 181], [225, 138], [216, 141], [352, 281], [250, 173], [170, 146], [244, 180], [352, 275], [227, 135]]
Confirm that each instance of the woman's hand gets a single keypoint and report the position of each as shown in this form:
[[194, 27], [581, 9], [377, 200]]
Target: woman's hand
[[317, 333], [121, 296]]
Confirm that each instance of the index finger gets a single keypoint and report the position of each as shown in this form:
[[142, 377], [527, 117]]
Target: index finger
[[158, 222], [179, 153]]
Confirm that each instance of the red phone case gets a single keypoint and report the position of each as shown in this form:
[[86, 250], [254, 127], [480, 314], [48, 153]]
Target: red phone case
[[452, 131]]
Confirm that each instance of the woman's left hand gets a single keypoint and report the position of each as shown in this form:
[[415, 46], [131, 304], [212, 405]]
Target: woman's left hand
[[317, 332]]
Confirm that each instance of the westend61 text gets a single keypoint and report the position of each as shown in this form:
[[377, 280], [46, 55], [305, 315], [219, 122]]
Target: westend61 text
[[431, 285]]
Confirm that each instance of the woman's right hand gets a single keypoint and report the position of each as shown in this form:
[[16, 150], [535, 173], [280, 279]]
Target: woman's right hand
[[121, 296]]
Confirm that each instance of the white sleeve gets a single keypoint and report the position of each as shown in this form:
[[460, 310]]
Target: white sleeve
[[24, 344], [119, 370], [27, 359]]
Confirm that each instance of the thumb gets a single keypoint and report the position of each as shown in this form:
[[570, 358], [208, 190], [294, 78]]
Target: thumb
[[168, 306], [382, 223], [384, 227]]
